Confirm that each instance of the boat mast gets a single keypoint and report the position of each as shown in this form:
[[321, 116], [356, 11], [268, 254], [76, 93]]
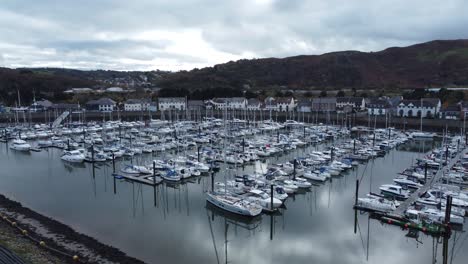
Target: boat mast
[[421, 115]]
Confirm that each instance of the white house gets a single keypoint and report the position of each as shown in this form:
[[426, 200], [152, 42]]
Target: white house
[[379, 107], [425, 107], [356, 103], [137, 105], [254, 104], [175, 103], [286, 104], [103, 104]]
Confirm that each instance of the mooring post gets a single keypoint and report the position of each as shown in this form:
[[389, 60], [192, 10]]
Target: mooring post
[[332, 153], [294, 169], [271, 197], [448, 209], [154, 172], [357, 193], [277, 136], [425, 172], [354, 146], [212, 181], [389, 133], [373, 140], [68, 144], [243, 145], [113, 162], [198, 153]]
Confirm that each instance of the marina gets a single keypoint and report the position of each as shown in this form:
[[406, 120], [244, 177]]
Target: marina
[[231, 184]]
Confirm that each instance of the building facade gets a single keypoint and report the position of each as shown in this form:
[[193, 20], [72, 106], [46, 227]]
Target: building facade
[[172, 103], [137, 105], [425, 108]]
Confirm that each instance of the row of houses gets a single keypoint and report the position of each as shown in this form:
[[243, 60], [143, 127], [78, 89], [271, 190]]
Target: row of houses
[[425, 107]]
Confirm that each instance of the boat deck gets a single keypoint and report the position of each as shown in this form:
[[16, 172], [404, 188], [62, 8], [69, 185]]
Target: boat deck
[[417, 194], [145, 179]]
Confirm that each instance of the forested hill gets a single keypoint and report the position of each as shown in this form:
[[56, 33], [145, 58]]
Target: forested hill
[[435, 63]]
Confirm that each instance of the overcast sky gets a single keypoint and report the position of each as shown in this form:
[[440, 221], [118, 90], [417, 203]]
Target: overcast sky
[[184, 34]]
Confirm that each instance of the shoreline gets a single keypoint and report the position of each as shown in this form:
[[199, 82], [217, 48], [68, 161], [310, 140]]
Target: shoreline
[[59, 237]]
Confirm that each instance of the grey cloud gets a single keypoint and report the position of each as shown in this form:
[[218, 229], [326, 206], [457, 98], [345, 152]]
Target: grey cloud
[[74, 30]]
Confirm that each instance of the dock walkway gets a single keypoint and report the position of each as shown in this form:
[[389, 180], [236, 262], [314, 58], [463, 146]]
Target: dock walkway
[[414, 196]]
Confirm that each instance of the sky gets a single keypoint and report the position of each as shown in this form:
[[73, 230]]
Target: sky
[[185, 34]]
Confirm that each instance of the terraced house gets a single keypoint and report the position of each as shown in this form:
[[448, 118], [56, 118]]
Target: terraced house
[[425, 107]]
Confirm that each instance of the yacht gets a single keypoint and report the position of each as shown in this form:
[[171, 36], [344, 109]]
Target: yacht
[[75, 156], [394, 191], [234, 204], [20, 145]]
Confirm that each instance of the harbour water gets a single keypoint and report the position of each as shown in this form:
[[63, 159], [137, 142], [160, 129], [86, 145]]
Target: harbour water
[[174, 224]]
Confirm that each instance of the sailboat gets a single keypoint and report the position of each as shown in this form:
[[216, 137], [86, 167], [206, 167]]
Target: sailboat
[[230, 202]]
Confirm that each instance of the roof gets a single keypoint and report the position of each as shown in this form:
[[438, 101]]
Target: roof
[[324, 100], [425, 102], [379, 103], [102, 101], [171, 99], [353, 100], [195, 103], [284, 100], [253, 101], [138, 101]]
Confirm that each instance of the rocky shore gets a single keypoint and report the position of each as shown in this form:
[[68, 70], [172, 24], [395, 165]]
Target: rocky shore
[[49, 241]]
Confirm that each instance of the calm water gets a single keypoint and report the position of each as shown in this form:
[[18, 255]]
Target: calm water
[[179, 227]]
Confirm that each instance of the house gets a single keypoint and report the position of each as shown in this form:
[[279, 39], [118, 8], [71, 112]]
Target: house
[[451, 112], [40, 105], [236, 103], [230, 103], [324, 104], [356, 103], [304, 106], [103, 104], [84, 90], [286, 104], [137, 105], [379, 107], [196, 105], [425, 107], [271, 104], [254, 104], [174, 103]]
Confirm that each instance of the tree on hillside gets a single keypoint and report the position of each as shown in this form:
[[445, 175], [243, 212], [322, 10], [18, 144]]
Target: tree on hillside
[[323, 94], [340, 93]]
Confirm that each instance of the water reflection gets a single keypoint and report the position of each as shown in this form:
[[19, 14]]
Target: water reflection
[[172, 223]]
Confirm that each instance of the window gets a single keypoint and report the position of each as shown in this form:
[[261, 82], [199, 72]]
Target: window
[[419, 113], [401, 112], [410, 113]]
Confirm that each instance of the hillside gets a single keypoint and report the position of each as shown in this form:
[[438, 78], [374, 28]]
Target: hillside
[[434, 63], [431, 64]]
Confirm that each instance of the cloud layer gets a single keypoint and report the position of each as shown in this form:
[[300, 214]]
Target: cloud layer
[[175, 35]]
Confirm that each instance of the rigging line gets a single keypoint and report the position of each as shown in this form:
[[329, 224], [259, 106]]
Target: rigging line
[[460, 246], [212, 237], [365, 168], [360, 235], [453, 246]]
